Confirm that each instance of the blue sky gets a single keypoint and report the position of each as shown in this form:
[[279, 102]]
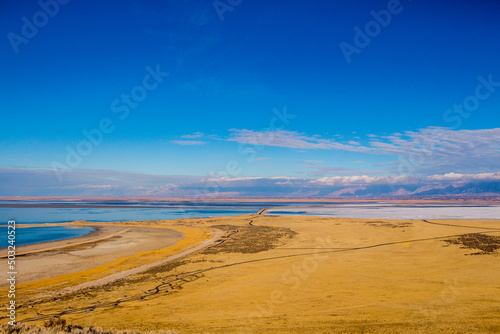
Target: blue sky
[[231, 81]]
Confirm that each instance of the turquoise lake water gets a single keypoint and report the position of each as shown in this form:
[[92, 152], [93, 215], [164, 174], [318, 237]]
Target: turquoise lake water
[[31, 235], [109, 211], [106, 211]]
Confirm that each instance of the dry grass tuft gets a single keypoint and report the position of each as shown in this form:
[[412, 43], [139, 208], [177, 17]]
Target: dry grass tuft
[[250, 239], [59, 326], [387, 224], [487, 244]]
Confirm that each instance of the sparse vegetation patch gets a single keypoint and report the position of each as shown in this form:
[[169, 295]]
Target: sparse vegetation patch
[[250, 239], [387, 224], [59, 326], [487, 244]]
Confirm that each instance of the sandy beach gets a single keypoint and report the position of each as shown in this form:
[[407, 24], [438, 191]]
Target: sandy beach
[[105, 244]]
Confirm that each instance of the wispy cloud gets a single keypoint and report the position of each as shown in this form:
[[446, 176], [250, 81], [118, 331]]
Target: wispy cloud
[[349, 185], [431, 150], [439, 150], [464, 177], [320, 170], [449, 178], [193, 135], [289, 139], [188, 142], [196, 138], [84, 182]]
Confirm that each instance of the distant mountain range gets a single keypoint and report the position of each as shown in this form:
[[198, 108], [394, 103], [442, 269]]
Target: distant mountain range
[[470, 189]]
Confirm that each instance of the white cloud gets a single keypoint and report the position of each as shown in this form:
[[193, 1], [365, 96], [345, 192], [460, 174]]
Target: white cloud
[[320, 170], [464, 177], [290, 139], [114, 183], [356, 180], [193, 135], [428, 150], [188, 142]]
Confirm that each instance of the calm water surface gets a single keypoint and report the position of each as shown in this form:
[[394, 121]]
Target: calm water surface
[[31, 235], [107, 211]]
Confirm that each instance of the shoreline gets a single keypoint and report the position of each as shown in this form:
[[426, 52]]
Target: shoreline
[[111, 250], [55, 245], [136, 270], [98, 231]]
